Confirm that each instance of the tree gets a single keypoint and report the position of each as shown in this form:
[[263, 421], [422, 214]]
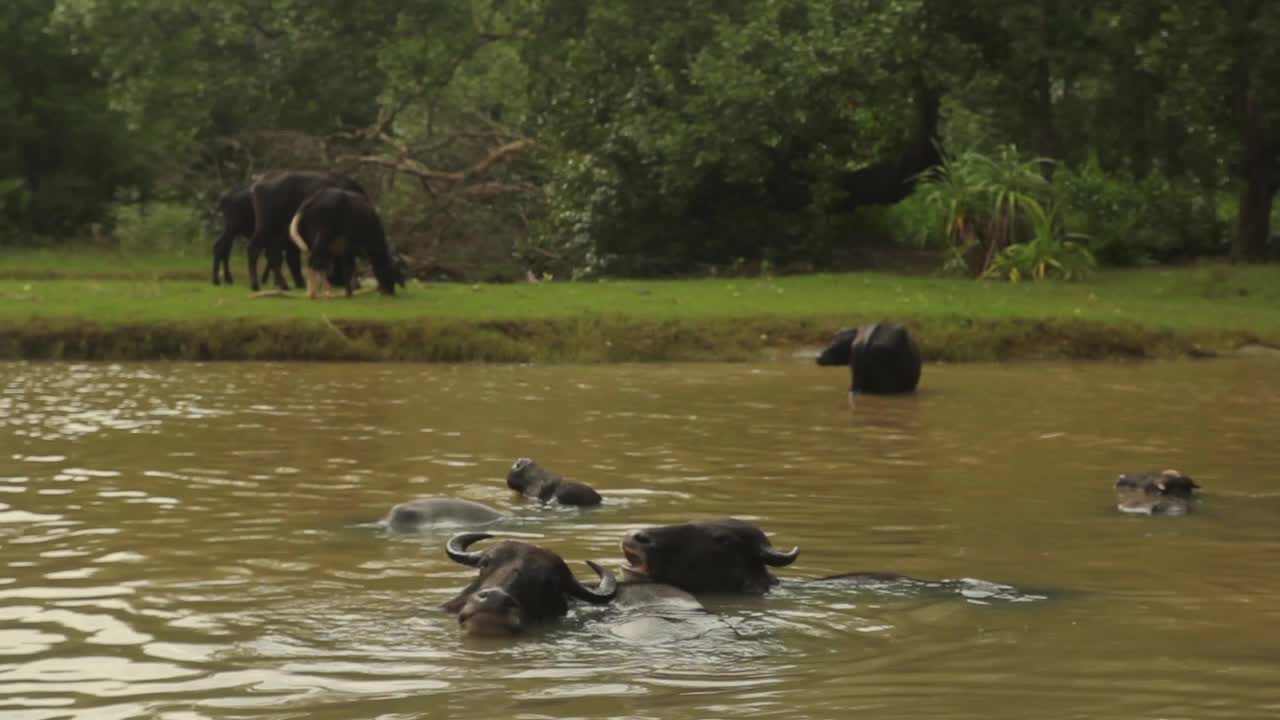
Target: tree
[[707, 131], [63, 151], [1222, 60]]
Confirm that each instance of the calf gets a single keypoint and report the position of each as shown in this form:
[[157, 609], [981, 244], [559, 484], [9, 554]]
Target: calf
[[532, 480]]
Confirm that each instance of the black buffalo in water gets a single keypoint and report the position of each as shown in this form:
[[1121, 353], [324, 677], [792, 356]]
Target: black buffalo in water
[[276, 198], [520, 584], [332, 227], [731, 556], [532, 480], [1164, 493], [883, 358], [708, 556]]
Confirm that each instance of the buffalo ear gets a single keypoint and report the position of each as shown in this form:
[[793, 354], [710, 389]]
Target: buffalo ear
[[454, 606]]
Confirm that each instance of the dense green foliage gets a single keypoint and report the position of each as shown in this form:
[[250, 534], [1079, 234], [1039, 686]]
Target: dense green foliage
[[63, 150], [506, 137]]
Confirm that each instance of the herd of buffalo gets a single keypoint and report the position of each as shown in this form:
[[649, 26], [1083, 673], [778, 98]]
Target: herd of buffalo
[[519, 584], [330, 220]]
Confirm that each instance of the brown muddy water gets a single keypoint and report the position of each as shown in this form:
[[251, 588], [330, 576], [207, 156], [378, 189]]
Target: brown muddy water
[[184, 541]]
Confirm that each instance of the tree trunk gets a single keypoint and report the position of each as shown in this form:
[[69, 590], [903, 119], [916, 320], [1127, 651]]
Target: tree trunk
[[1050, 148], [1258, 152], [1050, 144], [1253, 220]]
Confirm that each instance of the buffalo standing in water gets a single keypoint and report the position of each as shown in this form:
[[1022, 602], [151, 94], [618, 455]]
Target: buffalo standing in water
[[532, 480], [1163, 493], [332, 227], [883, 358], [276, 198], [519, 585]]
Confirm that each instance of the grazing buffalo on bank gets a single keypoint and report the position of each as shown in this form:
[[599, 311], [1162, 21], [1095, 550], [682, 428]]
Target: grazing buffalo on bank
[[532, 480], [883, 358], [1164, 493], [519, 584], [236, 209], [708, 556], [332, 227], [276, 198], [439, 512]]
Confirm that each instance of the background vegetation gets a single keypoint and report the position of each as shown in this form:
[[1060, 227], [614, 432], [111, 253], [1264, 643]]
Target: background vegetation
[[656, 137]]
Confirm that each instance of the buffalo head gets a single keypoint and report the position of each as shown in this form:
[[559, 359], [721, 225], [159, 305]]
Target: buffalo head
[[839, 350], [716, 556], [529, 478], [1164, 493], [519, 584]]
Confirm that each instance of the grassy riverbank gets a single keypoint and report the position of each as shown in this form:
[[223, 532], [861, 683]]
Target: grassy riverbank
[[88, 308]]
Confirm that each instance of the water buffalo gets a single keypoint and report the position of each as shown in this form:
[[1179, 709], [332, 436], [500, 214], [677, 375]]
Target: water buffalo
[[236, 208], [428, 513], [883, 358], [708, 556], [276, 198], [334, 225], [519, 584], [731, 556], [1163, 493], [532, 480]]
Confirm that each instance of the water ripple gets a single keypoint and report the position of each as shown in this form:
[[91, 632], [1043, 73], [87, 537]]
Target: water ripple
[[190, 541]]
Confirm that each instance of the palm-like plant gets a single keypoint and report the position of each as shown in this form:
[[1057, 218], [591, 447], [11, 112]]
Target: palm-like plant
[[1050, 251], [996, 214]]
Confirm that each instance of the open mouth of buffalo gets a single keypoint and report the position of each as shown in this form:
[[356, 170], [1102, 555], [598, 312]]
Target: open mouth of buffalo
[[636, 560]]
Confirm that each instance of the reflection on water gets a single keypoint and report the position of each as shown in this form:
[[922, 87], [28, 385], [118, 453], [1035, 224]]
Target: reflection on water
[[184, 541]]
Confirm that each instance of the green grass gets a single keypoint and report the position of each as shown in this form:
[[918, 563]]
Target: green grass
[[44, 264], [1152, 312]]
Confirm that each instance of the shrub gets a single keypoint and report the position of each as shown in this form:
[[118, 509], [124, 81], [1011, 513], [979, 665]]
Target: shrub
[[160, 227], [1132, 221]]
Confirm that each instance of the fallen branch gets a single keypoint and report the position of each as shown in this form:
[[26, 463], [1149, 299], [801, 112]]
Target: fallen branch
[[413, 167]]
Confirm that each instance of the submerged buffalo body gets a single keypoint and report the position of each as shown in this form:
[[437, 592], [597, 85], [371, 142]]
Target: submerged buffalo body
[[519, 585], [709, 556], [276, 198], [335, 225], [428, 513], [532, 480], [883, 358], [1164, 493]]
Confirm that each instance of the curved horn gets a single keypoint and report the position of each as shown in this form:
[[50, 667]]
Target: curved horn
[[456, 548], [778, 559], [294, 234], [603, 593]]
